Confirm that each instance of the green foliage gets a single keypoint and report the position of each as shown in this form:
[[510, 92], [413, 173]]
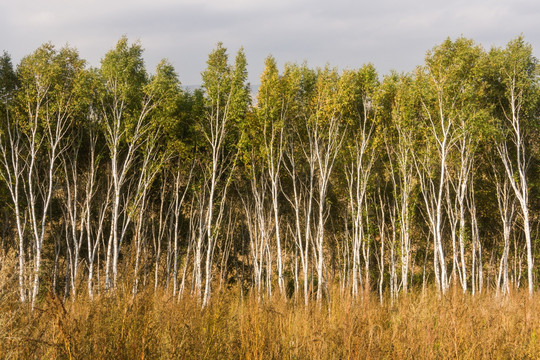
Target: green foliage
[[124, 73], [514, 76], [8, 85], [49, 84], [462, 96], [8, 77]]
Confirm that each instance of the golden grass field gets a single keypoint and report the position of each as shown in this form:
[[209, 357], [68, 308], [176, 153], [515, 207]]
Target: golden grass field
[[155, 326]]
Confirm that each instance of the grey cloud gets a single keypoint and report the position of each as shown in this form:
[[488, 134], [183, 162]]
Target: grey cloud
[[344, 33]]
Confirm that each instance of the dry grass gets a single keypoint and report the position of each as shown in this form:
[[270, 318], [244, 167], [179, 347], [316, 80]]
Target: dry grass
[[154, 326]]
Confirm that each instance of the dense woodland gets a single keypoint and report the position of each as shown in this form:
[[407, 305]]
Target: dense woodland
[[323, 183]]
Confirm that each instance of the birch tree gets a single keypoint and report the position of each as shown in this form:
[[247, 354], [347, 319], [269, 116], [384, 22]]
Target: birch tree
[[226, 101], [445, 86], [325, 131], [300, 81], [48, 86], [399, 142], [360, 159], [516, 72], [273, 107], [12, 160], [129, 100]]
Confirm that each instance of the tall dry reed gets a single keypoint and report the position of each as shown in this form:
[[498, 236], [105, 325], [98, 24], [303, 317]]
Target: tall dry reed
[[157, 326]]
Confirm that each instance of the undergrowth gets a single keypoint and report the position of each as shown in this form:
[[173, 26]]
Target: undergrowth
[[156, 326]]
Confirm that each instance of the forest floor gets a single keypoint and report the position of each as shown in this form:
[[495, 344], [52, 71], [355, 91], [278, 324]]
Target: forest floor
[[157, 326]]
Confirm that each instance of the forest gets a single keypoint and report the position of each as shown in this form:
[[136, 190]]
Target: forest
[[322, 190]]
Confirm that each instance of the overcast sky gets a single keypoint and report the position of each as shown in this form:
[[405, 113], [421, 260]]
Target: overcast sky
[[344, 33]]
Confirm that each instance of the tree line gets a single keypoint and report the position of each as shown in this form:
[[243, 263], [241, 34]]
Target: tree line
[[117, 177]]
